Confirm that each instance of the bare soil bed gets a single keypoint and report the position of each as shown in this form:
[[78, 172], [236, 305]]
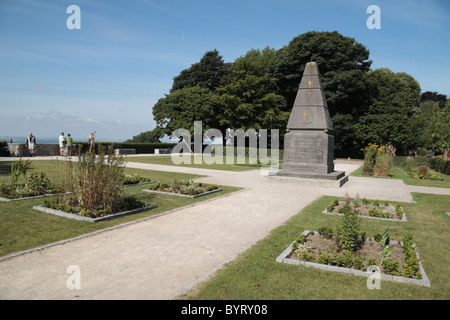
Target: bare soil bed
[[386, 211], [326, 251]]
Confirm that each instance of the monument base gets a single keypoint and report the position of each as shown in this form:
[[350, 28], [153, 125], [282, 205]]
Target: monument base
[[333, 179]]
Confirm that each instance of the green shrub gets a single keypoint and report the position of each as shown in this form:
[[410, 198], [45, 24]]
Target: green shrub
[[306, 256], [333, 204], [391, 267], [141, 148], [349, 231], [371, 262], [326, 232], [345, 260], [4, 151], [411, 267], [440, 165], [374, 212], [399, 211], [332, 260], [322, 259], [358, 262]]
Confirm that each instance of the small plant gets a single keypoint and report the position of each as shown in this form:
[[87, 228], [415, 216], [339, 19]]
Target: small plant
[[411, 267], [399, 211], [391, 267], [306, 256], [345, 260], [326, 232], [349, 231], [374, 212], [358, 262], [386, 250], [322, 259], [333, 204], [18, 168], [371, 262], [300, 249], [423, 171]]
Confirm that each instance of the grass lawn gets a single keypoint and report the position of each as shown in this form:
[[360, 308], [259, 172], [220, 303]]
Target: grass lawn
[[167, 160], [255, 275], [23, 228], [398, 173]]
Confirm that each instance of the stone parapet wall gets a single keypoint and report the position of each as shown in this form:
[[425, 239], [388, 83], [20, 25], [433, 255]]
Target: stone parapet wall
[[21, 150]]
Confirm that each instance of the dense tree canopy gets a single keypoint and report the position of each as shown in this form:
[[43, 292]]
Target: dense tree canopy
[[251, 99], [184, 106], [441, 99], [211, 72], [342, 63], [258, 90], [394, 100]]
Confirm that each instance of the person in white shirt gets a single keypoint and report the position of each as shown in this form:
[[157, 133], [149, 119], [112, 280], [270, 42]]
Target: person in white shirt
[[62, 143], [31, 143]]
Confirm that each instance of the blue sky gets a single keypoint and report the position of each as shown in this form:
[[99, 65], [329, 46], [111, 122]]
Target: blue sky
[[107, 75]]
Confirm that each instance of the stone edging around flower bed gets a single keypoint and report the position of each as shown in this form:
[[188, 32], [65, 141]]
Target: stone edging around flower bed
[[34, 197], [369, 217], [138, 184], [78, 217], [284, 258], [184, 195]]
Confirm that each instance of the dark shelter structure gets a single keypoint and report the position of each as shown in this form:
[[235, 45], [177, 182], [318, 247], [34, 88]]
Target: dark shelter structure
[[309, 143]]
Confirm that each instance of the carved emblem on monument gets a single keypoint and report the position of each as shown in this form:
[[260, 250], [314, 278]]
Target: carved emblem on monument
[[307, 117]]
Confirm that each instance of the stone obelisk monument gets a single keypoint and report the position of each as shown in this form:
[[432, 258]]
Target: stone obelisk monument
[[309, 143]]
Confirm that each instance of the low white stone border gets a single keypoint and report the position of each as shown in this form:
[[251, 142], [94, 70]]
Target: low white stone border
[[138, 184], [34, 197], [369, 217], [284, 257], [78, 217], [185, 195]]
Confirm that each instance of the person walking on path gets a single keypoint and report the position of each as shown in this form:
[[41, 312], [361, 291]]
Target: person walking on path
[[69, 141], [62, 143], [31, 143]]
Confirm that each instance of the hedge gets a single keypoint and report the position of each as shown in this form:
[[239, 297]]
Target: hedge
[[140, 147], [437, 164], [440, 165], [4, 151]]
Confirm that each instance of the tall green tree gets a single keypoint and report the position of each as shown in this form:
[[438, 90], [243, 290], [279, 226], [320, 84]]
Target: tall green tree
[[390, 118], [184, 106], [210, 72], [434, 96], [440, 129], [252, 98], [152, 136], [342, 62]]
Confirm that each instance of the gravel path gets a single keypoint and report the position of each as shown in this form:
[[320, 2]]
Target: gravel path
[[161, 257]]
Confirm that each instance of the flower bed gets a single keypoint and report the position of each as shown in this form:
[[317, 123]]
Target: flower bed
[[422, 173], [183, 188], [319, 249], [88, 218], [135, 180], [71, 205], [37, 185], [369, 209]]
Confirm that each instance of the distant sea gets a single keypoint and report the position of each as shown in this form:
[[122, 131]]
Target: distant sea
[[43, 140]]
